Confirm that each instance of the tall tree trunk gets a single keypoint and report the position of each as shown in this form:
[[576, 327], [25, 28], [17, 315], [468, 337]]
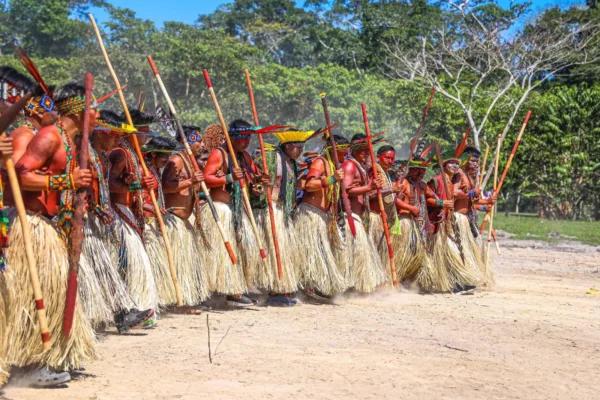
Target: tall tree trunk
[[517, 203]]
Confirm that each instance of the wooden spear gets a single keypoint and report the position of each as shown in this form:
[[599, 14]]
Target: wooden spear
[[263, 254], [386, 229], [512, 155], [266, 169], [416, 139], [79, 206], [5, 120], [188, 150], [482, 172], [145, 171], [489, 240], [336, 162]]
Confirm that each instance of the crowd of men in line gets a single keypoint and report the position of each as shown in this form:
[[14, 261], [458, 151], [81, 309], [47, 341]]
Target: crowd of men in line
[[124, 275]]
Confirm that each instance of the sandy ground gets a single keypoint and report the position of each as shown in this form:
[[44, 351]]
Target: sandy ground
[[536, 335]]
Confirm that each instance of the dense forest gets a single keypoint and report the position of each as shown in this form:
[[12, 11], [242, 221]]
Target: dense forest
[[490, 65]]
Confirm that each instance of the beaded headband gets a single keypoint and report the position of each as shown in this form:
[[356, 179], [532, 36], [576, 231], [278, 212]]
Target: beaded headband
[[39, 105], [11, 93], [73, 105]]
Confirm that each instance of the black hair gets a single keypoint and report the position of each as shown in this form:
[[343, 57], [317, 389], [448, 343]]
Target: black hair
[[21, 81], [340, 139], [111, 117], [162, 143], [385, 148], [358, 136], [473, 151], [139, 117], [69, 90], [239, 124]]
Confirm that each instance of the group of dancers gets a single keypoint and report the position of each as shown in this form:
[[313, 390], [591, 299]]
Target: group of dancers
[[281, 220]]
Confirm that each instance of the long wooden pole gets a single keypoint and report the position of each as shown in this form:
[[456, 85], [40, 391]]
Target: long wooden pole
[[145, 171], [489, 240], [512, 155], [336, 162], [482, 172], [5, 120], [263, 254], [263, 156], [386, 229], [415, 142], [188, 150], [80, 207]]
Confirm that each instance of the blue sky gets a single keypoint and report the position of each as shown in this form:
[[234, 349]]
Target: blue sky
[[189, 10]]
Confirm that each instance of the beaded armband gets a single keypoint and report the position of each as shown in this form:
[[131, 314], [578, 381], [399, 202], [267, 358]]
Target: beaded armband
[[472, 193], [229, 178], [483, 208], [58, 183], [135, 186], [440, 203], [330, 180]]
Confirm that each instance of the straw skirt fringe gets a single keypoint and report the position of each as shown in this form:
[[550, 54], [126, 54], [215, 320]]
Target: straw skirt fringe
[[4, 312], [103, 291], [21, 344], [378, 239], [192, 281], [159, 263], [364, 263], [470, 246], [135, 264], [223, 276], [447, 255], [268, 276], [318, 267]]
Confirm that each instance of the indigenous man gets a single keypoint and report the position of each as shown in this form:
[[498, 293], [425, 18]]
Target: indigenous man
[[386, 156], [126, 184], [225, 184], [110, 299], [365, 264], [446, 248], [316, 225], [48, 200], [283, 170], [415, 263], [468, 201], [183, 222]]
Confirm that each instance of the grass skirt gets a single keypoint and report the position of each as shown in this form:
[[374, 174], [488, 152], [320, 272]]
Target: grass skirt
[[103, 291], [268, 276], [319, 268], [159, 263], [446, 254], [223, 276], [487, 272], [378, 239], [473, 257], [364, 263], [192, 277], [135, 264], [4, 312], [20, 343]]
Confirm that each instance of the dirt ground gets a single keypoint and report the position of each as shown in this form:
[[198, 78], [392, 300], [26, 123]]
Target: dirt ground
[[535, 335]]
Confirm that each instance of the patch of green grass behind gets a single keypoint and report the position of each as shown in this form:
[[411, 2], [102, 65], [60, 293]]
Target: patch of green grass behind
[[523, 224]]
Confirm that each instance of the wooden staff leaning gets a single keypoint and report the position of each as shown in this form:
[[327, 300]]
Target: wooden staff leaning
[[386, 229], [263, 254], [188, 150], [263, 156], [145, 171], [80, 208], [5, 120]]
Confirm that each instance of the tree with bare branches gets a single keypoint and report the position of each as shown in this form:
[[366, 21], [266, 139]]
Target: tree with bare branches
[[478, 54]]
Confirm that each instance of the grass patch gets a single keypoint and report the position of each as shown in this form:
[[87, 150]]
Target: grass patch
[[529, 226]]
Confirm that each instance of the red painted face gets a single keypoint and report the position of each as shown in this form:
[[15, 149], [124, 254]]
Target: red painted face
[[416, 174], [386, 159]]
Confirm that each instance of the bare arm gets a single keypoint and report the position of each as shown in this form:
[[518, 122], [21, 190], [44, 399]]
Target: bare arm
[[36, 156], [118, 170], [313, 184], [171, 176]]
